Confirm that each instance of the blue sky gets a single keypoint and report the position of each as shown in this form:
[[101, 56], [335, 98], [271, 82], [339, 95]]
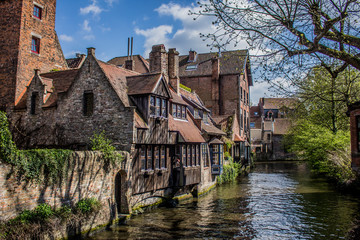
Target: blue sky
[[107, 24]]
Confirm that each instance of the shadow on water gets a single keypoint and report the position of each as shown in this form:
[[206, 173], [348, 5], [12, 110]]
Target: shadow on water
[[278, 200]]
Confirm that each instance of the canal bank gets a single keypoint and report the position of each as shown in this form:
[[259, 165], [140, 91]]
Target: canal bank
[[277, 200]]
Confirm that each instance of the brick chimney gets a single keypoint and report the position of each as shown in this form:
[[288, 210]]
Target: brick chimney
[[174, 69], [158, 59], [91, 51], [192, 56], [130, 64]]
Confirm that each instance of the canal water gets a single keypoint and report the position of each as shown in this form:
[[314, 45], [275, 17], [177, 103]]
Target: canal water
[[277, 200]]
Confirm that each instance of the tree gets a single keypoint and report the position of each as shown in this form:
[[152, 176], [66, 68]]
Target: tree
[[325, 98], [309, 32]]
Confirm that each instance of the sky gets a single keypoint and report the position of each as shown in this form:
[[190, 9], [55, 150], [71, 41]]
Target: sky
[[107, 25]]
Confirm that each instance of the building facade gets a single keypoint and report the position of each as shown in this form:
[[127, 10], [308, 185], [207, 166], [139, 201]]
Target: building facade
[[269, 123], [28, 41]]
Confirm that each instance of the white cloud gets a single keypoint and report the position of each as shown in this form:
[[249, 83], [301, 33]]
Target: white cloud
[[156, 35], [259, 90], [188, 36], [86, 27], [110, 2], [66, 38], [91, 9]]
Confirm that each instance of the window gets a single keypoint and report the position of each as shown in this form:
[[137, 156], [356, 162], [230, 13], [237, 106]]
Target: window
[[191, 67], [256, 113], [204, 154], [35, 45], [157, 157], [197, 155], [188, 162], [143, 158], [241, 94], [268, 136], [184, 155], [178, 111], [183, 112], [158, 107], [152, 106], [193, 155], [164, 108], [163, 157], [174, 110], [215, 154], [88, 103], [196, 113], [149, 158], [241, 119], [252, 125], [205, 118], [37, 13], [34, 97]]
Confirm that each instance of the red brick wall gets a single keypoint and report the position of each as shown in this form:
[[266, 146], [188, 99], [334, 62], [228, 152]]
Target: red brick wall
[[355, 154], [17, 28]]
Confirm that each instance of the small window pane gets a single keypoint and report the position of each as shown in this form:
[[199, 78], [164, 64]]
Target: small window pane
[[149, 158], [183, 112], [143, 157], [157, 157], [174, 110], [184, 155], [37, 12], [152, 106], [158, 110], [188, 162], [35, 45], [163, 157], [164, 108], [178, 111]]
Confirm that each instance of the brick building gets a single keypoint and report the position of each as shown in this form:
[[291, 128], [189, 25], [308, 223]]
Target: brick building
[[28, 41], [223, 83], [269, 123]]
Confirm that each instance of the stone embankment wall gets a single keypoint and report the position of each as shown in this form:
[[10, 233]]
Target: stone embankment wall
[[88, 176]]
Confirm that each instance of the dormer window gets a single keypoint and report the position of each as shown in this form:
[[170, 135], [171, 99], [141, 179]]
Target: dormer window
[[191, 67], [158, 107], [179, 111], [37, 12]]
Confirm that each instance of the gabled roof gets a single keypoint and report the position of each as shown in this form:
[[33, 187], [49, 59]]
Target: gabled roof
[[231, 62], [76, 62], [187, 129], [117, 79], [216, 141], [139, 121], [141, 64], [145, 84], [212, 130], [61, 80], [193, 98], [175, 98]]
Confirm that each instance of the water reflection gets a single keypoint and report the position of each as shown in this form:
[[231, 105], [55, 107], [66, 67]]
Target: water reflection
[[278, 200]]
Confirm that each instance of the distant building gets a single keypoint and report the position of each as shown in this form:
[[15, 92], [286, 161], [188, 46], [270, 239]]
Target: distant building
[[269, 123], [28, 41]]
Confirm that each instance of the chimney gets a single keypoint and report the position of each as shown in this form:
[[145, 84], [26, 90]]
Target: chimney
[[158, 59], [192, 56], [91, 51], [130, 64], [37, 72], [215, 85], [215, 68], [173, 69]]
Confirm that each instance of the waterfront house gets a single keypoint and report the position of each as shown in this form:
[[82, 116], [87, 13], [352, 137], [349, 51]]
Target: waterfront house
[[354, 114]]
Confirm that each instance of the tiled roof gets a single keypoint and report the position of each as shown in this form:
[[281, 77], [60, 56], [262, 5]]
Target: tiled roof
[[141, 64], [193, 98], [281, 126], [175, 98], [75, 62], [187, 129], [277, 103], [237, 138], [139, 121], [212, 130], [117, 78], [231, 62], [143, 84], [216, 141]]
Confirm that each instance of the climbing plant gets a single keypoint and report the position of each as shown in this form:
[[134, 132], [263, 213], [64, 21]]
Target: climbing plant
[[99, 142]]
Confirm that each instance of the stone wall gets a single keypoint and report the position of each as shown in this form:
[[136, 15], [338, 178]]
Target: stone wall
[[88, 177]]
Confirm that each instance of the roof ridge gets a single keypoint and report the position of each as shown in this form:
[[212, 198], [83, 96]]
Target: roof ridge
[[120, 68]]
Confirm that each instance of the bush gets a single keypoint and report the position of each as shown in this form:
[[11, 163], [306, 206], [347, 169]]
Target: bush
[[99, 142], [230, 172], [88, 205], [328, 153]]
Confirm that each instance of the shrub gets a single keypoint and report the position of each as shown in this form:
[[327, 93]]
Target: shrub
[[88, 205], [99, 142], [230, 172]]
